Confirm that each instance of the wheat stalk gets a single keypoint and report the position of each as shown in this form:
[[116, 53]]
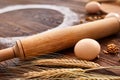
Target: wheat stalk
[[109, 67], [65, 63], [94, 76]]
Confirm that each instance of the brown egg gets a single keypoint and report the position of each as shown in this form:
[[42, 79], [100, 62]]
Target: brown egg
[[87, 49], [92, 7]]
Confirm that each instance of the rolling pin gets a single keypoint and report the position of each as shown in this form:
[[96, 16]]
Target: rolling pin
[[59, 39]]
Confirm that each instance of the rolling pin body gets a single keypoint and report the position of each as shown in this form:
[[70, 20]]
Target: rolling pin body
[[59, 39]]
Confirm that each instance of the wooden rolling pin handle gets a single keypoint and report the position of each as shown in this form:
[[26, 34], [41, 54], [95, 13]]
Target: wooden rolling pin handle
[[59, 39], [6, 54]]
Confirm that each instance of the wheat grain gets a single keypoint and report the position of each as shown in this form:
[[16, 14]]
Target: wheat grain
[[66, 63]]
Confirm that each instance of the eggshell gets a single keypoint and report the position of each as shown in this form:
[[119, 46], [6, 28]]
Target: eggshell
[[92, 7], [87, 49]]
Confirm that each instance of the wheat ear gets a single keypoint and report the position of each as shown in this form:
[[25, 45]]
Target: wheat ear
[[69, 73], [47, 73], [66, 63]]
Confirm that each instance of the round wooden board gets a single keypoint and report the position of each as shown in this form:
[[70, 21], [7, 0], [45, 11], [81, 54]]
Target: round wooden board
[[32, 21]]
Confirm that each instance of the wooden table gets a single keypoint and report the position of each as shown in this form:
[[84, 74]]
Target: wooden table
[[31, 21]]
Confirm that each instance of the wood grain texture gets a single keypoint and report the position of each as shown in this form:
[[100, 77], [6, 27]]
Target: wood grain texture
[[31, 21]]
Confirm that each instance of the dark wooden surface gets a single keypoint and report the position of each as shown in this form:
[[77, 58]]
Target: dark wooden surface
[[32, 21]]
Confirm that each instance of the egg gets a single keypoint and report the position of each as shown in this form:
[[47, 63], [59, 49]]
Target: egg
[[87, 49], [112, 15], [92, 7]]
